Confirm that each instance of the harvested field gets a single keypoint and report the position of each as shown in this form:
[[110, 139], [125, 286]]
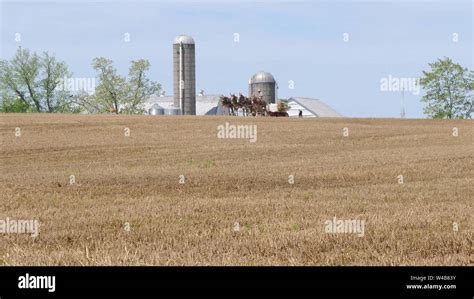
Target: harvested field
[[236, 206]]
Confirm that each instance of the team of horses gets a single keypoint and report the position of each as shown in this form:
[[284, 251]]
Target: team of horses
[[248, 106]]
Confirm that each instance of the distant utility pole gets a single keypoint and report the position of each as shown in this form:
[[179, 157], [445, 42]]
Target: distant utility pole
[[402, 112]]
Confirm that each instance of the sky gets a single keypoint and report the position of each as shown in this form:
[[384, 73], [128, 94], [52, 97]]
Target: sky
[[342, 52]]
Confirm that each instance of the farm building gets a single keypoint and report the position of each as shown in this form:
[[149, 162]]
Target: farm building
[[205, 104], [185, 101], [310, 108], [210, 105]]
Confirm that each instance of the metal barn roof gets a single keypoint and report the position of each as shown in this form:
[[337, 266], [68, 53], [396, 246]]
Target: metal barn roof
[[310, 107]]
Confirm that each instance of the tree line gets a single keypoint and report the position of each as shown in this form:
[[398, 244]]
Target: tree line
[[31, 82]]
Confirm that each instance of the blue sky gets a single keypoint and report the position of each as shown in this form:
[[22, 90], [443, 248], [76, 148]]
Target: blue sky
[[302, 41]]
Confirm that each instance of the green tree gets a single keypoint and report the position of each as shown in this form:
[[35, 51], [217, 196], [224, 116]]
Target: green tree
[[55, 96], [86, 102], [449, 90], [13, 105], [111, 90], [118, 94], [139, 87], [34, 81]]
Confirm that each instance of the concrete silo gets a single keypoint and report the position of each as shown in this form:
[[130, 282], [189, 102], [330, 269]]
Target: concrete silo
[[184, 74], [263, 83]]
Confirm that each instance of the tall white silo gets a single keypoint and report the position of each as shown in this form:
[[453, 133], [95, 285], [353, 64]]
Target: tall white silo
[[184, 74]]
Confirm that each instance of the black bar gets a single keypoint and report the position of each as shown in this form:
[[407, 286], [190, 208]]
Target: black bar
[[248, 282]]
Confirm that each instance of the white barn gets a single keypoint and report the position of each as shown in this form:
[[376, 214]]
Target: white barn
[[310, 108], [210, 105]]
